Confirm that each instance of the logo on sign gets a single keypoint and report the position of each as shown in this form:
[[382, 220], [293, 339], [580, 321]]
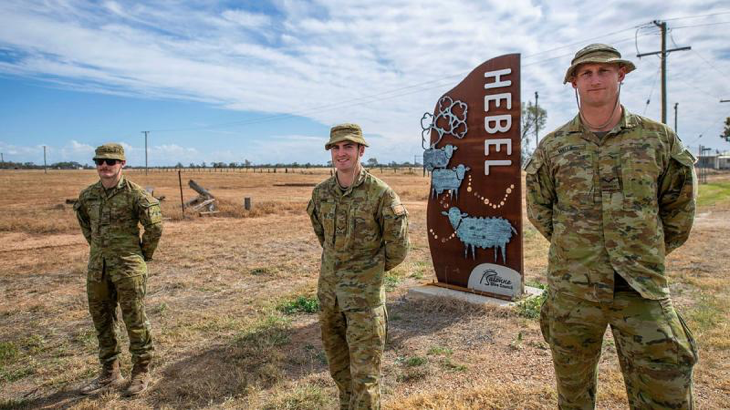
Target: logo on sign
[[497, 279]]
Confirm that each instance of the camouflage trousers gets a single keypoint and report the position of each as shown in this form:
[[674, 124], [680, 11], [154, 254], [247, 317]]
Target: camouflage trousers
[[656, 350], [354, 341], [128, 293]]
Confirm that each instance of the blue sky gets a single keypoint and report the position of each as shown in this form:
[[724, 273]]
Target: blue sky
[[264, 81]]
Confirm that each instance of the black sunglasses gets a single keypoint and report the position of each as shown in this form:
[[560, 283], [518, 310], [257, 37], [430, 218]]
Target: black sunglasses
[[110, 162]]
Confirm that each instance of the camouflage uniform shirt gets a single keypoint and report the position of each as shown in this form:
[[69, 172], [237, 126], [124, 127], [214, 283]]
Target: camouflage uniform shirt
[[363, 232], [616, 204], [110, 219]]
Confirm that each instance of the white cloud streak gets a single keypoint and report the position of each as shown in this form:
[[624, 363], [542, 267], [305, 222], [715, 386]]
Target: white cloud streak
[[309, 54]]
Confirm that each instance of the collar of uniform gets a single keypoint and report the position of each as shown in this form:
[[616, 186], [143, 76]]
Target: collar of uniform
[[359, 179], [627, 121], [111, 191]]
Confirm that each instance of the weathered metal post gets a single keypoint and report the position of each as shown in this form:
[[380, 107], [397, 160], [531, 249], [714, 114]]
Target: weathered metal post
[[247, 203], [182, 201]]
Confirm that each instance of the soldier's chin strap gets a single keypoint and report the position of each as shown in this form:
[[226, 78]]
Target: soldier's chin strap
[[610, 117]]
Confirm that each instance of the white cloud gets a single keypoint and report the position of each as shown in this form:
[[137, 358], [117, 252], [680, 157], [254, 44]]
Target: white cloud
[[76, 151], [368, 62], [246, 19]]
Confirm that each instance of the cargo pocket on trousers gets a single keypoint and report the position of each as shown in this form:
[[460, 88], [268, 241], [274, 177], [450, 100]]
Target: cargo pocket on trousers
[[545, 319], [690, 339]]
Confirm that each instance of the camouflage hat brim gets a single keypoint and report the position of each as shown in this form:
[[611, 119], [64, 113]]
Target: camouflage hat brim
[[110, 156], [349, 137], [345, 132], [597, 58]]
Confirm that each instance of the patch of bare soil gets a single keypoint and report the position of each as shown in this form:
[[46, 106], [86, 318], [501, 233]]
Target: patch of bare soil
[[222, 342]]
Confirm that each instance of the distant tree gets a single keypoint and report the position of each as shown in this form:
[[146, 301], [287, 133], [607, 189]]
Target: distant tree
[[192, 165], [532, 116], [179, 165], [372, 162], [246, 163], [67, 165], [726, 132], [329, 163], [203, 165], [233, 165]]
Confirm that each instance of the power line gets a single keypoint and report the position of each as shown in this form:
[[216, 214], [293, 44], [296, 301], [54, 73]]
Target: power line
[[695, 87], [409, 89], [703, 25], [653, 85], [698, 16], [709, 63], [708, 127], [384, 96]]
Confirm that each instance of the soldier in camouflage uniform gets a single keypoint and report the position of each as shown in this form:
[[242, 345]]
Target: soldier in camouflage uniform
[[363, 229], [614, 193], [109, 213]]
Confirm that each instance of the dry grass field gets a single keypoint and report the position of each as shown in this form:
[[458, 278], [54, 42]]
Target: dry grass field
[[231, 303]]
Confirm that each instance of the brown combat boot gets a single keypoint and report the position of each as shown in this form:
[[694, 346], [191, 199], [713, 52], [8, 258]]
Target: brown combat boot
[[109, 377], [139, 380]]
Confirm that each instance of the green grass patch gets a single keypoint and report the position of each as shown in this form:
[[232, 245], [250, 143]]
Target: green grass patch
[[307, 397], [11, 404], [439, 351], [707, 313], [392, 280], [450, 365], [16, 374], [264, 271], [713, 193], [34, 344], [271, 331], [302, 304], [530, 307], [8, 352], [413, 361], [420, 270]]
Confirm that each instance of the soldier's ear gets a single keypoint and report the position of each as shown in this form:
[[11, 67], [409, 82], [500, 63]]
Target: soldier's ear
[[362, 149], [123, 163]]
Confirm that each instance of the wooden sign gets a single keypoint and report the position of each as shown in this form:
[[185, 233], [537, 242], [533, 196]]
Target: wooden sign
[[474, 215]]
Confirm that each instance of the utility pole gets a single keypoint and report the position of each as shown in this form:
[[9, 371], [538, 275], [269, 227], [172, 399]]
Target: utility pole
[[675, 118], [664, 53], [145, 151], [45, 166]]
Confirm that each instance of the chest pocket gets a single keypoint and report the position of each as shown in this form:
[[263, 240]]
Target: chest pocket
[[327, 218], [367, 229], [640, 172], [93, 209], [121, 211], [573, 170]]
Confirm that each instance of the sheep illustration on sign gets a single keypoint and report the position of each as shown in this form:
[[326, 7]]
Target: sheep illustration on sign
[[448, 180], [483, 233], [438, 157]]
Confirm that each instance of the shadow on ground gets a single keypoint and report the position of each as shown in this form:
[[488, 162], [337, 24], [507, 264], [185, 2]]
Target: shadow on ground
[[275, 351]]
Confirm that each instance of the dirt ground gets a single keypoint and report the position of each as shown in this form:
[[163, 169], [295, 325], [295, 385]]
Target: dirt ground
[[219, 287]]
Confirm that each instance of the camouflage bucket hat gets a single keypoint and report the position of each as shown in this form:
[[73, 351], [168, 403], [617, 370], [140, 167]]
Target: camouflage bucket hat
[[345, 132], [597, 53], [110, 151]]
